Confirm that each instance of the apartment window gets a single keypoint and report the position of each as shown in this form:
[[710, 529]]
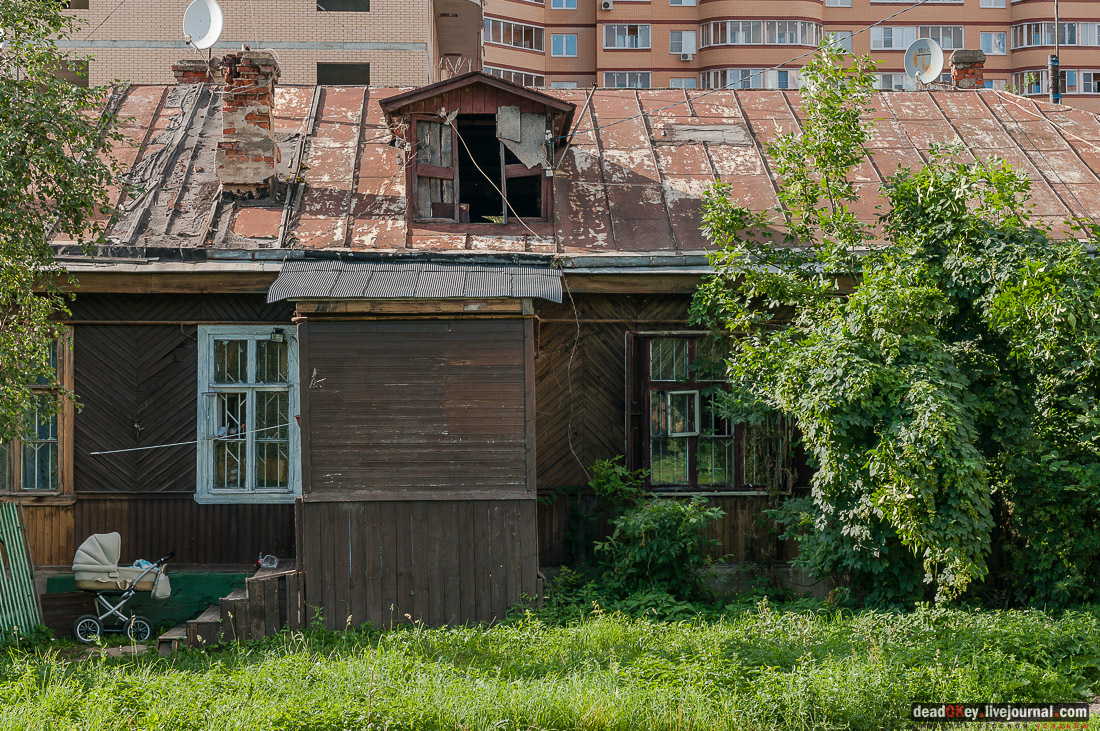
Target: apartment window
[[841, 39], [563, 4], [780, 79], [734, 79], [523, 78], [685, 3], [626, 36], [1088, 34], [994, 44], [563, 84], [248, 404], [34, 461], [992, 3], [892, 37], [681, 41], [792, 33], [77, 4], [838, 3], [731, 33], [1042, 34], [563, 45], [995, 84], [626, 79], [344, 6], [950, 37], [75, 72], [516, 35], [343, 74], [896, 82], [686, 442], [687, 82]]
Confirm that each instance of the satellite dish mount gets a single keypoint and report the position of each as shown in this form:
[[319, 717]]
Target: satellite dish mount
[[924, 61]]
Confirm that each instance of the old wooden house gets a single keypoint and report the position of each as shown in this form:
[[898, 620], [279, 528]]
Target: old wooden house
[[367, 328]]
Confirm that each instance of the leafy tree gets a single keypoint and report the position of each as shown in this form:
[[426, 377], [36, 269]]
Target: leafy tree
[[53, 182], [942, 366]]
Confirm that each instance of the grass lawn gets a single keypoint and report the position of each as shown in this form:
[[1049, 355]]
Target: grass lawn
[[758, 670]]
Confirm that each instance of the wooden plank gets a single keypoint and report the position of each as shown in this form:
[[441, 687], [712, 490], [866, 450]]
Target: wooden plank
[[422, 541], [343, 549], [655, 283], [498, 547], [231, 608], [405, 587], [529, 404], [467, 569], [305, 387], [388, 591], [195, 281], [437, 514], [410, 306], [482, 569], [451, 529], [334, 614], [357, 569], [271, 605], [372, 562], [256, 615], [293, 602]]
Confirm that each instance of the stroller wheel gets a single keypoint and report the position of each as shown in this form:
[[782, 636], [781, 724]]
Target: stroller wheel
[[139, 629], [87, 628]]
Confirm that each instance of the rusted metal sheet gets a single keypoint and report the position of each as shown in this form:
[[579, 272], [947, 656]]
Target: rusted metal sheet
[[632, 179]]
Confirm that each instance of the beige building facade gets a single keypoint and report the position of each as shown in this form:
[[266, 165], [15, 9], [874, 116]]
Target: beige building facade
[[757, 43], [379, 42]]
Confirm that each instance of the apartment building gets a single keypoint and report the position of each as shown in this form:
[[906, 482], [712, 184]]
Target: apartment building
[[747, 44], [380, 42]]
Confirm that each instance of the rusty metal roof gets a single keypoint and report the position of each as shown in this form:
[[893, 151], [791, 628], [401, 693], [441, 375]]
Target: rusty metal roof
[[413, 279], [627, 184]]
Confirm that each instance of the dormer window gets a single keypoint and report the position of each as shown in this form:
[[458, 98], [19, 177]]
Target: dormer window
[[481, 149], [467, 174]]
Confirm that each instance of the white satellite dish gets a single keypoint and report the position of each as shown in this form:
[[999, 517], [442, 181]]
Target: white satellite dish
[[924, 60], [202, 23]]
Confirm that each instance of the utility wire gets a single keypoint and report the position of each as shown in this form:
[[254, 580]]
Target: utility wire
[[193, 441], [87, 37]]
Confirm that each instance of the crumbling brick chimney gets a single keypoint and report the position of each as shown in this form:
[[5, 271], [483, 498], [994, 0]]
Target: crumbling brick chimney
[[192, 71], [247, 152], [968, 69]]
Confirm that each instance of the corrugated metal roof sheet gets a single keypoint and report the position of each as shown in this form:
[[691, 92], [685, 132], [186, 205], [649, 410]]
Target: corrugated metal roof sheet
[[412, 280]]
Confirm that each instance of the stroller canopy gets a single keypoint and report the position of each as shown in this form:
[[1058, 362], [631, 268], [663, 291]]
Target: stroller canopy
[[99, 553]]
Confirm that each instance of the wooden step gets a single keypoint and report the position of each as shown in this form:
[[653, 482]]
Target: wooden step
[[206, 629], [234, 612], [172, 640]]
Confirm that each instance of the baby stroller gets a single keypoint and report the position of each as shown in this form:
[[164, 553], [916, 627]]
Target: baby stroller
[[97, 570]]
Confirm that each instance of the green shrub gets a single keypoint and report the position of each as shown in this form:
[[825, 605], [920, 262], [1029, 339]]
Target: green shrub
[[660, 544]]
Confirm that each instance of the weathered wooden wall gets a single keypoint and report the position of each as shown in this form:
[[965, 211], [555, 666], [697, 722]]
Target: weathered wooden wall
[[439, 561], [418, 494], [128, 374], [580, 391]]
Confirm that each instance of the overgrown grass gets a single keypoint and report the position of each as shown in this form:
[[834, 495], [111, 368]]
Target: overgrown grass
[[760, 670]]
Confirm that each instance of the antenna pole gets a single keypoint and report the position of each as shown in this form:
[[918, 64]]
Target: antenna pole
[[1054, 72]]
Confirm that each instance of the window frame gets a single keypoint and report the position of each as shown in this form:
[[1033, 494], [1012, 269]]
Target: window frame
[[628, 74], [65, 414], [694, 46], [648, 36], [641, 386], [565, 45], [992, 45], [563, 4], [205, 492]]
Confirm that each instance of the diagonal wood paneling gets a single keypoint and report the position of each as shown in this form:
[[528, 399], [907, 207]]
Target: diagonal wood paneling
[[123, 307]]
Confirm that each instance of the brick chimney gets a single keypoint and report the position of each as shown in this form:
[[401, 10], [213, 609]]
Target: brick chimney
[[192, 71], [247, 153], [968, 69]]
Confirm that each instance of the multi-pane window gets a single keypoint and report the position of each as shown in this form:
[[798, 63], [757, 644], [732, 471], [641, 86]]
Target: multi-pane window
[[626, 79], [686, 82], [625, 36], [687, 443], [992, 3], [1042, 34], [950, 37], [32, 461], [994, 44], [792, 33], [248, 401], [563, 84], [1090, 82], [563, 4], [517, 35], [896, 82], [523, 78], [733, 79], [675, 3], [564, 44], [681, 41], [838, 3], [731, 33], [841, 39], [1037, 82], [892, 37], [780, 79]]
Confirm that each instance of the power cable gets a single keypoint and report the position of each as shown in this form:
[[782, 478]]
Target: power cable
[[92, 33]]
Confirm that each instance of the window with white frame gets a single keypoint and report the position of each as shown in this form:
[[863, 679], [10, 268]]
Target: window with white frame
[[792, 33], [733, 79], [950, 37], [248, 404], [686, 82], [841, 39], [892, 37], [896, 82], [992, 3], [517, 35], [564, 44], [563, 84], [675, 3], [523, 78], [681, 41], [731, 33], [626, 36], [838, 3], [780, 79], [626, 79], [1025, 35], [563, 4], [1090, 82], [994, 43]]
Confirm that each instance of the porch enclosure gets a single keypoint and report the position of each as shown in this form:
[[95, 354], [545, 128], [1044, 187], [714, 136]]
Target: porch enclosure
[[418, 468]]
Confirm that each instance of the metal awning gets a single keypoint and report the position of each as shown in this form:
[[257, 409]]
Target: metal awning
[[333, 279]]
